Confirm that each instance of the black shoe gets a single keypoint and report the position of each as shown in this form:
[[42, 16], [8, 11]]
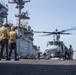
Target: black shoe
[[16, 59], [0, 58], [8, 59]]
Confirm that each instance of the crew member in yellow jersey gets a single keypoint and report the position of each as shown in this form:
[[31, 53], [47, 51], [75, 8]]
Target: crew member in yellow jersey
[[4, 36], [12, 41]]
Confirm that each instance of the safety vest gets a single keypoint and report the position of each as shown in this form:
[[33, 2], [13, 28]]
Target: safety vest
[[12, 37], [4, 33]]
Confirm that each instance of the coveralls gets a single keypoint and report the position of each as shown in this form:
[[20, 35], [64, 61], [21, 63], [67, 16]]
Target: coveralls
[[4, 36], [12, 40]]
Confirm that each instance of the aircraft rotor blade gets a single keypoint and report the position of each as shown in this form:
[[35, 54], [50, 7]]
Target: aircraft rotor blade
[[66, 33], [70, 29], [41, 32], [46, 34], [50, 33]]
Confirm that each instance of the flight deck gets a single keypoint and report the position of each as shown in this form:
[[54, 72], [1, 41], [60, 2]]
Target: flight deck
[[38, 67]]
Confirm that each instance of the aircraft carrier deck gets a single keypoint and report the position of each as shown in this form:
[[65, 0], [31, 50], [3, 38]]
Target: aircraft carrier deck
[[38, 67]]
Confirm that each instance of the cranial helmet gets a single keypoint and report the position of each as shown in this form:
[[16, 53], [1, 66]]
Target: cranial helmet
[[13, 28], [5, 24]]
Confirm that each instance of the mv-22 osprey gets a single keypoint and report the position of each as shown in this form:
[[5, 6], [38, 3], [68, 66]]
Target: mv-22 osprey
[[56, 48]]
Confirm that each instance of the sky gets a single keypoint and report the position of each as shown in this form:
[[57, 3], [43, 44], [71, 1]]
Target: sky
[[47, 15]]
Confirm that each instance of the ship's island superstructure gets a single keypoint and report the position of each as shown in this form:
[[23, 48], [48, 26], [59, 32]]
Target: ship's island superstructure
[[25, 46]]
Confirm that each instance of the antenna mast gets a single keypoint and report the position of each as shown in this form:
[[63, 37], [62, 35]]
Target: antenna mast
[[19, 5]]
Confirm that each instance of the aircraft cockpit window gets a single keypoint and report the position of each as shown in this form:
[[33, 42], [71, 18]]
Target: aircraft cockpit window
[[54, 43], [57, 43], [50, 43]]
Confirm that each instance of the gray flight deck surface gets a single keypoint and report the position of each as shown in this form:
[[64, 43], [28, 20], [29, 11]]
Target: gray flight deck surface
[[38, 67]]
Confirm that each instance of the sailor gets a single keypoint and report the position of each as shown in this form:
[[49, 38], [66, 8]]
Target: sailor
[[4, 36], [70, 52], [66, 53], [12, 41], [38, 56]]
